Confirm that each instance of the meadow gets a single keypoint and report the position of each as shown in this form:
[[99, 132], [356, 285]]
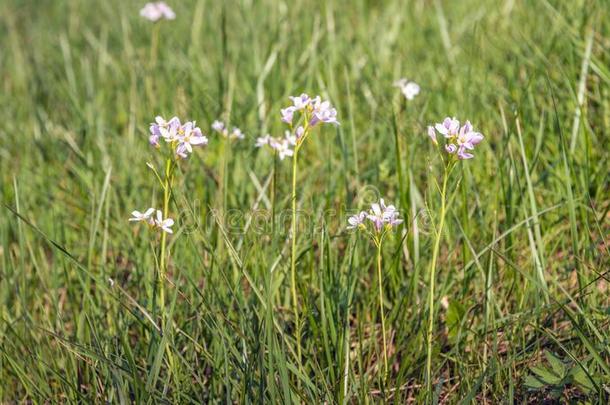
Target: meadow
[[250, 300]]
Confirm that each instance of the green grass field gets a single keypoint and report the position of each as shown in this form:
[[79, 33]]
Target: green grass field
[[521, 301]]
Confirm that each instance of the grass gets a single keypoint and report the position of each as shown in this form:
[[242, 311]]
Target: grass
[[524, 256]]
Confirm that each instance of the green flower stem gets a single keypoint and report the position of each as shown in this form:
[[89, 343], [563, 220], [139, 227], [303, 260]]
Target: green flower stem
[[293, 256], [154, 45], [437, 242], [385, 347], [164, 251], [273, 195]]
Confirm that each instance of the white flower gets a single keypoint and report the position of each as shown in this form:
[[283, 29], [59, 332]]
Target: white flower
[[137, 216], [157, 11], [300, 102], [218, 126], [292, 139], [262, 141], [282, 148], [236, 134], [408, 88], [164, 224]]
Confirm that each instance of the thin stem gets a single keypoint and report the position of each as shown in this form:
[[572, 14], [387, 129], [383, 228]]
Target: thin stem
[[432, 281], [154, 45], [164, 252], [273, 195], [385, 348], [293, 256]]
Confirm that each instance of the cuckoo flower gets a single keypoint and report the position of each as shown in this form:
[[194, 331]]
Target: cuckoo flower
[[222, 129], [382, 219], [356, 221], [287, 114], [156, 11], [146, 216], [163, 224], [300, 102], [219, 127], [458, 140], [282, 146], [181, 138], [408, 88], [383, 216], [189, 136], [323, 112], [310, 112], [158, 222], [263, 141], [314, 110]]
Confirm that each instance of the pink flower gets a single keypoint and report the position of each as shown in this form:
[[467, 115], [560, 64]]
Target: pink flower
[[300, 102], [356, 220], [323, 112], [287, 114], [432, 134], [189, 136], [449, 127], [458, 140], [383, 217], [157, 11]]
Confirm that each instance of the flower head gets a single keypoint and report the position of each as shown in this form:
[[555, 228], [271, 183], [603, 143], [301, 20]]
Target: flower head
[[408, 88], [282, 146], [357, 220], [262, 141], [315, 110], [167, 130], [157, 222], [180, 137], [322, 111], [163, 224], [287, 114], [156, 11], [188, 136], [382, 217], [458, 140], [236, 134], [146, 216], [218, 126], [222, 129], [300, 102]]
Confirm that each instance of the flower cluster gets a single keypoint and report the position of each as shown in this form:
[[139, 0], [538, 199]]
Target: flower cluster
[[382, 218], [157, 222], [157, 11], [181, 137], [458, 140], [314, 110], [223, 130], [408, 88], [282, 146]]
